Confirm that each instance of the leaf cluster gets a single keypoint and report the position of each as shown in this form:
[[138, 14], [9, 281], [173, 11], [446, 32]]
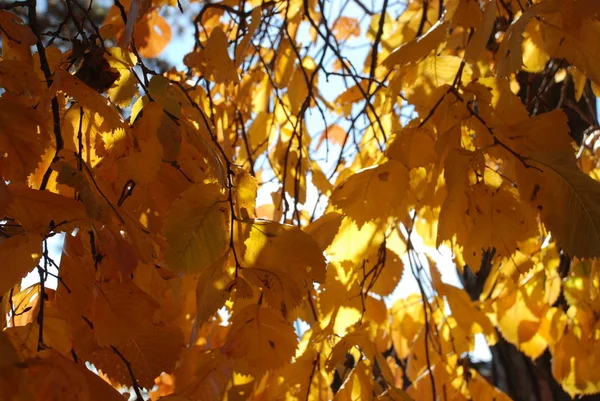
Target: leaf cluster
[[171, 277]]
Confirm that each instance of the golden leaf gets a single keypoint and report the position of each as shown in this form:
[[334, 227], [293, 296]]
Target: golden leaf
[[260, 338], [482, 33], [272, 246], [17, 38], [120, 312], [566, 200], [281, 291], [242, 47], [211, 292], [197, 228], [154, 350], [466, 314], [325, 228], [17, 76], [49, 370], [416, 50], [18, 256], [214, 60], [366, 195], [202, 375], [384, 270], [509, 57], [246, 188], [413, 147], [56, 333], [22, 140], [106, 116], [407, 321]]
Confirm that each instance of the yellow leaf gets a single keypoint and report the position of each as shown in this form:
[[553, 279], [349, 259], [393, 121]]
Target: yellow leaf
[[245, 191], [324, 229], [15, 385], [535, 56], [530, 135], [214, 61], [467, 316], [261, 339], [481, 389], [341, 298], [407, 321], [17, 77], [49, 371], [574, 367], [359, 385], [384, 270], [143, 162], [8, 352], [298, 92], [280, 289], [296, 377], [17, 37], [125, 87], [106, 116], [202, 375], [417, 49], [373, 193], [167, 95], [352, 95], [242, 47], [354, 244], [35, 210], [18, 256], [286, 59], [56, 333], [274, 246], [479, 40], [197, 228], [466, 13], [211, 292], [414, 147], [516, 321], [94, 201], [509, 57], [483, 218], [119, 312], [553, 325], [80, 126], [22, 140], [259, 132], [570, 32], [566, 199], [320, 180], [154, 350]]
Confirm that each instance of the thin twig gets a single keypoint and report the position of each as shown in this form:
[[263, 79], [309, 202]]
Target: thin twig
[[136, 386]]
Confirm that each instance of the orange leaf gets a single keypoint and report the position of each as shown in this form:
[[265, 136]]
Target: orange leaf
[[346, 27]]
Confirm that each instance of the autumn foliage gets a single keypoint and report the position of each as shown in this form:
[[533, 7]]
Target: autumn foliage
[[470, 125]]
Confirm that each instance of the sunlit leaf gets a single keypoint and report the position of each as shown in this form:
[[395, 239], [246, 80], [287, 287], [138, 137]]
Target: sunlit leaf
[[197, 228], [261, 338]]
